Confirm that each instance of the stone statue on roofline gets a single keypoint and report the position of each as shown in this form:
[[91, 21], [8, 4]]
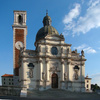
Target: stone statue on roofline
[[82, 53]]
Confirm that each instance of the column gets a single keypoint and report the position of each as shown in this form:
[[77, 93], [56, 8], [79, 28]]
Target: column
[[82, 71], [47, 70], [62, 70], [40, 70], [82, 77], [23, 74], [69, 71], [15, 18], [23, 18]]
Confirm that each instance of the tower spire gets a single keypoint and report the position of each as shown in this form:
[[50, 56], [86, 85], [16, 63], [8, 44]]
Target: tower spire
[[46, 12]]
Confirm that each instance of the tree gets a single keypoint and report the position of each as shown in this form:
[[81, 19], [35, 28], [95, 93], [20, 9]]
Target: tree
[[94, 87]]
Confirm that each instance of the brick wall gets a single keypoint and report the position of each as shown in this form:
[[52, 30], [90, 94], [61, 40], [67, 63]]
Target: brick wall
[[19, 36]]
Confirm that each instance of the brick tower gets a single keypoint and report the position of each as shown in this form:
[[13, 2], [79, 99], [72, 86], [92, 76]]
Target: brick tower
[[19, 40]]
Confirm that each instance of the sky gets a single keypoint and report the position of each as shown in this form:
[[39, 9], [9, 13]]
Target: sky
[[77, 20]]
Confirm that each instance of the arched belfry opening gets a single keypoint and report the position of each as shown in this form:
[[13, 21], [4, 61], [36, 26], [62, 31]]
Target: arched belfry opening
[[54, 80], [20, 19]]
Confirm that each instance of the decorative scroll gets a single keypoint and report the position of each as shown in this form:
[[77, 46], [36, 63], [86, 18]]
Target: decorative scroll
[[55, 64], [53, 68]]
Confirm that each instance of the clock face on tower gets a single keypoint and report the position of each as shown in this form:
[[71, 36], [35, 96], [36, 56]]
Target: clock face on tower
[[19, 45], [54, 50]]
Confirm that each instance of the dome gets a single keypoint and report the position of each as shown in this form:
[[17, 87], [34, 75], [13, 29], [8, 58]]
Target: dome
[[47, 29]]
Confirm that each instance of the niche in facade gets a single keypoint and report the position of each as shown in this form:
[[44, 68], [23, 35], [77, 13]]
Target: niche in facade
[[76, 69]]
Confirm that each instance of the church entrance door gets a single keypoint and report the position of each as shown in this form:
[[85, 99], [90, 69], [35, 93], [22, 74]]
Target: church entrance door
[[54, 80]]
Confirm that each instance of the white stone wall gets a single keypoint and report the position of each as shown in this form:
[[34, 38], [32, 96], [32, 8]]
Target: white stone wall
[[88, 85], [61, 64], [7, 81]]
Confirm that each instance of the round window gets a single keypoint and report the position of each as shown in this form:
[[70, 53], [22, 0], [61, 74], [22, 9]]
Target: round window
[[54, 50]]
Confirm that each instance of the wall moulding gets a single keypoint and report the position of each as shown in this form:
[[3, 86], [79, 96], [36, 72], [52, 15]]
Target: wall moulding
[[30, 61]]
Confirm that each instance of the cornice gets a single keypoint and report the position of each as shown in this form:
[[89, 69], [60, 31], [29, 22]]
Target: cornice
[[50, 57], [55, 44], [30, 61], [19, 26], [19, 11], [77, 59]]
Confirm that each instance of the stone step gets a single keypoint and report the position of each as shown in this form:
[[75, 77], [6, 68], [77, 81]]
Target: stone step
[[59, 93]]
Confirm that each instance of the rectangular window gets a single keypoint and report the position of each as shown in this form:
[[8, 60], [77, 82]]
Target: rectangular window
[[87, 86]]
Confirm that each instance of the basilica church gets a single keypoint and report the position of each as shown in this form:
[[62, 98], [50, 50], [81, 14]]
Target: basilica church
[[51, 65]]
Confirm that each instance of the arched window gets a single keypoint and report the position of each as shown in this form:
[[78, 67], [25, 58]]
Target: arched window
[[20, 19]]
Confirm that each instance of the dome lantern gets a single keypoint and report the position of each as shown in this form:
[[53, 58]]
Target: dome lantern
[[47, 20]]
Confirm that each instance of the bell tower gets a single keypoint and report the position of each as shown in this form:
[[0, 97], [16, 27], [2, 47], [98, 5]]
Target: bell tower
[[19, 40]]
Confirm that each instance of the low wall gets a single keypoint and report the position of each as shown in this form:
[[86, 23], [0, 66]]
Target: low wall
[[10, 90]]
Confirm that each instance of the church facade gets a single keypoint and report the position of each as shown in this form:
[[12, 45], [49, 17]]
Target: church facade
[[52, 64]]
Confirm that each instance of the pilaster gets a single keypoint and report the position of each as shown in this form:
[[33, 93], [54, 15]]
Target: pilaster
[[69, 71], [40, 69], [62, 70], [47, 69]]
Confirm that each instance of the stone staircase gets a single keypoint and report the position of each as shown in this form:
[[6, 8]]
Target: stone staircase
[[59, 94]]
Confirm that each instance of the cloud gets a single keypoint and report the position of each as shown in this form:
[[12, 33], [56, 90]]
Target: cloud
[[93, 3], [83, 24], [72, 14], [89, 50], [80, 47], [90, 20], [86, 48], [95, 79]]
